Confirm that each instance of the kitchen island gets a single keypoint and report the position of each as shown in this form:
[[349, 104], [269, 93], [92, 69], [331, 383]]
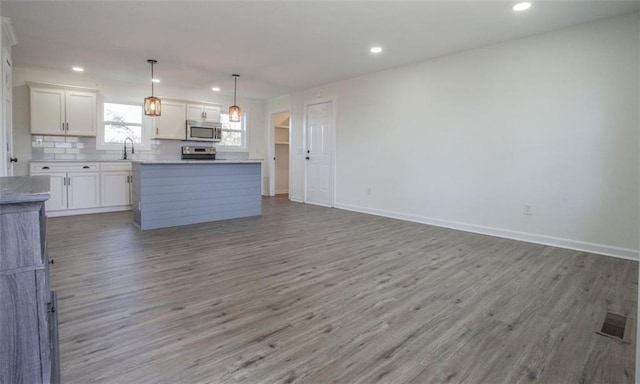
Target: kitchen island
[[182, 192]]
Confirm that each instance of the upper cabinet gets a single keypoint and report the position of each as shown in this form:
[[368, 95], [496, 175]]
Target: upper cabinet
[[200, 112], [172, 123], [60, 111]]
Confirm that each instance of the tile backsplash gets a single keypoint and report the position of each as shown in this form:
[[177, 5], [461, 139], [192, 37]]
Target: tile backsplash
[[84, 148]]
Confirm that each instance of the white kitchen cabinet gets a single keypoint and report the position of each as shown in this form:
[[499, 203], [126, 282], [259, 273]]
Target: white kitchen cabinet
[[203, 112], [56, 111], [73, 185], [116, 182], [58, 185], [83, 190], [172, 123]]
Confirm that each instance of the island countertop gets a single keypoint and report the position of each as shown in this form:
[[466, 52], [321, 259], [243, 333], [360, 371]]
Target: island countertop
[[165, 162], [23, 189]]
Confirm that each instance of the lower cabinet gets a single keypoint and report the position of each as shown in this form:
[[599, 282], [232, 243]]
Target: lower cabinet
[[73, 185], [83, 190], [115, 180], [78, 187]]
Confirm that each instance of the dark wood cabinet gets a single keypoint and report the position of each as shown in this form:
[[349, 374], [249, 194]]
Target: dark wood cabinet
[[28, 313]]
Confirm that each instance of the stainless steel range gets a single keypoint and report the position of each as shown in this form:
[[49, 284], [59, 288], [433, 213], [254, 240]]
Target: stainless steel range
[[198, 153]]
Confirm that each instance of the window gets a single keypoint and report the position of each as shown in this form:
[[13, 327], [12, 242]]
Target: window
[[122, 121], [233, 134]]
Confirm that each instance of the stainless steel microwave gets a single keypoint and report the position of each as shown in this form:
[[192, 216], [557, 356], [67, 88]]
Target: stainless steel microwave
[[203, 131]]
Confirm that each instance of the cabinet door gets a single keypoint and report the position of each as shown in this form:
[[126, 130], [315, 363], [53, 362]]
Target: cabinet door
[[116, 187], [84, 190], [172, 123], [58, 199], [81, 113], [212, 114], [19, 329], [195, 112], [47, 111]]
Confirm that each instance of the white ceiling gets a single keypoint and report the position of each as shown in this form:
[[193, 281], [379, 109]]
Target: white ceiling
[[276, 46]]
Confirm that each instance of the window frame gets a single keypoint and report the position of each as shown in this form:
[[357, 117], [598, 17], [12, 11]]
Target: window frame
[[146, 128], [242, 130]]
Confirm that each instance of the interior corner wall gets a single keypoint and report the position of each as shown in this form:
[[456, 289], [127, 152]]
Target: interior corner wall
[[467, 140]]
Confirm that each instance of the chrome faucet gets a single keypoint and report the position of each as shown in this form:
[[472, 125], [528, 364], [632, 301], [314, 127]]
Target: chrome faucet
[[133, 150]]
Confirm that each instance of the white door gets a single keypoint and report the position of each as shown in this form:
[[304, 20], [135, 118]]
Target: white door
[[80, 113], [83, 189], [116, 188], [195, 112], [211, 114], [47, 111], [6, 139], [172, 123], [318, 156], [58, 185]]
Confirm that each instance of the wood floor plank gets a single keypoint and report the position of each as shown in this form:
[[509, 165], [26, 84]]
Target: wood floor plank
[[307, 294]]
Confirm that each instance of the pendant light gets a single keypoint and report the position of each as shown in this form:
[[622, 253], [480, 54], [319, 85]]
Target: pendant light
[[234, 110], [152, 105]]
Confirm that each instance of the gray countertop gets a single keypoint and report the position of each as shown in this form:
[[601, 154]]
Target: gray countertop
[[198, 161], [24, 189]]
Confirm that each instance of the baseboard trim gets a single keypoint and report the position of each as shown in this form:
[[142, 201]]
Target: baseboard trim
[[296, 199], [606, 250], [88, 211]]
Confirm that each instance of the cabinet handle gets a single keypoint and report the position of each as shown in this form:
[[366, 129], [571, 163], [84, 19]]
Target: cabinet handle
[[67, 127], [62, 127], [45, 167], [68, 181], [51, 261], [85, 167]]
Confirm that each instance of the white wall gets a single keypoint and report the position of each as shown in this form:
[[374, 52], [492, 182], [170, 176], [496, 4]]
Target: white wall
[[126, 92], [466, 140]]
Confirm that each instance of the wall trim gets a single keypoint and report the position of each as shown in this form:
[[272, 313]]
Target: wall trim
[[87, 211], [601, 249], [297, 199]]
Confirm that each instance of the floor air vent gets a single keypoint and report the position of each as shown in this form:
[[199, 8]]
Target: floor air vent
[[614, 326]]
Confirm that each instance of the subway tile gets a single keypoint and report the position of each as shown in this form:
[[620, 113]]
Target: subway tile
[[64, 156], [42, 144], [63, 145], [72, 150], [54, 150], [54, 138], [79, 145], [70, 139]]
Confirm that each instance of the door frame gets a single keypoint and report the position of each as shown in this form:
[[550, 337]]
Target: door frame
[[6, 125], [271, 152], [332, 137]]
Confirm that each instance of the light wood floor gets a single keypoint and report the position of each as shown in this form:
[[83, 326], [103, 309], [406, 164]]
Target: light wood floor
[[306, 294]]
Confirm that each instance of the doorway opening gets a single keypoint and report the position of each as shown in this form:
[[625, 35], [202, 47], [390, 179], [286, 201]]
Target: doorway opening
[[281, 124]]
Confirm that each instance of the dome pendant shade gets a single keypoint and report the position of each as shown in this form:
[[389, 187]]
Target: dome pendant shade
[[234, 110], [152, 105]]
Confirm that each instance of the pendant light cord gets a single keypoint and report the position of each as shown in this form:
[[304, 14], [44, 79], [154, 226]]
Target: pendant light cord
[[235, 88], [152, 79]]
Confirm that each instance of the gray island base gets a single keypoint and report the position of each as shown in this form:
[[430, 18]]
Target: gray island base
[[172, 193]]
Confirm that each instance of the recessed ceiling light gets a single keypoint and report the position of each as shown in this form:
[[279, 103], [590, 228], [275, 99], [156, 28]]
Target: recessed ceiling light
[[78, 69], [375, 49], [155, 80], [215, 89], [521, 7]]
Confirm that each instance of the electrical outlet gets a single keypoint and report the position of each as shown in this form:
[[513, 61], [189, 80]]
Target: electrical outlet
[[527, 210]]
